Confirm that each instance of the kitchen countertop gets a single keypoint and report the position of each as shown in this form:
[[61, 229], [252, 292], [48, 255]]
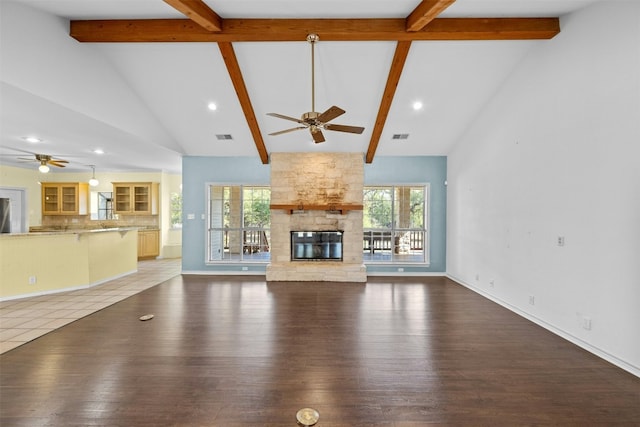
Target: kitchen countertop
[[44, 231]]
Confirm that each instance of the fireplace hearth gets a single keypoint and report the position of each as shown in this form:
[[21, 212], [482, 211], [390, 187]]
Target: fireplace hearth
[[316, 245]]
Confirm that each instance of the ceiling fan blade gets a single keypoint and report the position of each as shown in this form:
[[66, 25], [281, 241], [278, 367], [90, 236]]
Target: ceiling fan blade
[[344, 128], [25, 159], [330, 114], [318, 137], [280, 116], [59, 160], [287, 130], [54, 163]]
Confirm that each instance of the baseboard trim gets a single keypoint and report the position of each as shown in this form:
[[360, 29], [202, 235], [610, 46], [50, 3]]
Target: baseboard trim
[[405, 273], [622, 364], [69, 289]]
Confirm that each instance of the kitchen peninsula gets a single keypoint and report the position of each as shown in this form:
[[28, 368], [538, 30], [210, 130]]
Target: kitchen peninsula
[[55, 261]]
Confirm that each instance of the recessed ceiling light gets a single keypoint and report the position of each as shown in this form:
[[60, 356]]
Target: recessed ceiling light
[[32, 139], [212, 106], [417, 105], [98, 151]]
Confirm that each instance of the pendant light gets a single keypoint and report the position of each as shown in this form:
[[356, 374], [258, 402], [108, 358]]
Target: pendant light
[[93, 181]]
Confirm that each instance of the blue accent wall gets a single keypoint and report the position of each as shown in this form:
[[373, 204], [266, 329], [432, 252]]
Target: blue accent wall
[[198, 172]]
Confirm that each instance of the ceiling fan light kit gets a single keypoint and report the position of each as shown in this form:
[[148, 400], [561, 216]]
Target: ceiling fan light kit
[[313, 120], [45, 160]]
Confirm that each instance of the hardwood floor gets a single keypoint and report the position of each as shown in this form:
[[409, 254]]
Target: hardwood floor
[[237, 351]]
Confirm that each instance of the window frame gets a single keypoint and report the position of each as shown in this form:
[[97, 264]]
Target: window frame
[[395, 259], [240, 257], [176, 226]]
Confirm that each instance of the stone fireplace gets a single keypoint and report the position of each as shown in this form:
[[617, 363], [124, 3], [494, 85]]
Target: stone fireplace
[[316, 192]]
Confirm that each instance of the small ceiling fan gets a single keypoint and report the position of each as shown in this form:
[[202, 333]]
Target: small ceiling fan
[[45, 160], [313, 120]]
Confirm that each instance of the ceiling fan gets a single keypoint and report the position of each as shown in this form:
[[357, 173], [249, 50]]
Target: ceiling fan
[[313, 120], [45, 160]]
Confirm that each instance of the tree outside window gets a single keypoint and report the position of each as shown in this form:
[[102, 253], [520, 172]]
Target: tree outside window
[[176, 210], [394, 224]]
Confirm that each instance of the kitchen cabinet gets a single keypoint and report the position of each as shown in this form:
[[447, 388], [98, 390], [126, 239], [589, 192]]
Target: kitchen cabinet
[[148, 243], [135, 198], [65, 198]]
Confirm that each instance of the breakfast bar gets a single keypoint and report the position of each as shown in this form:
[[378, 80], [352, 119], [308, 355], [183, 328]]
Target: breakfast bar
[[54, 261]]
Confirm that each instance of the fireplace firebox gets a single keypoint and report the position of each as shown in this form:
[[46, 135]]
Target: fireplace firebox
[[316, 245]]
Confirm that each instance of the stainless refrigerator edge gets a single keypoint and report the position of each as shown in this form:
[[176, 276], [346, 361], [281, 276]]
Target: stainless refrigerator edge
[[5, 215]]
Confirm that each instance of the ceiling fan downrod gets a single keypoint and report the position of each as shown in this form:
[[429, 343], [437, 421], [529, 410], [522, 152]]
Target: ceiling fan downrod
[[313, 38]]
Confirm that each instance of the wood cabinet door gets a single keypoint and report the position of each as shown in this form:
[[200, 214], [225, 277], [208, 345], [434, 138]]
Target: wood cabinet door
[[122, 199], [50, 199], [142, 199], [148, 243], [69, 199]]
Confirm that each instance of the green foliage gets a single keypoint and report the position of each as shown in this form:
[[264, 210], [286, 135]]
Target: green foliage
[[176, 210], [377, 207], [256, 209], [257, 213], [379, 211]]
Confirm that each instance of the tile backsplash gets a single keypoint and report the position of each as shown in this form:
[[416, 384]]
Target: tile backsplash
[[83, 222]]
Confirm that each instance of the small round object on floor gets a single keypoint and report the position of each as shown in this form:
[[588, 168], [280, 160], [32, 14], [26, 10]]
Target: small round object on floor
[[307, 416], [146, 317]]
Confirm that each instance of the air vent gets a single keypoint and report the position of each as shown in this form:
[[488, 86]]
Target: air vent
[[400, 136], [224, 136]]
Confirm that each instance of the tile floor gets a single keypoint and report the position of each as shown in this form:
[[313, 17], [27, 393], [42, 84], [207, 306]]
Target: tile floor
[[25, 319]]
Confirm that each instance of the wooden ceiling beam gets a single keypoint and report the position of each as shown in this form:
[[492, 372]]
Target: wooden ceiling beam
[[426, 12], [252, 30], [231, 61], [397, 64], [198, 12]]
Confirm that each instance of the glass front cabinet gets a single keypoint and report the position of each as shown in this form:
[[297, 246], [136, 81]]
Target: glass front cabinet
[[135, 198], [65, 198]]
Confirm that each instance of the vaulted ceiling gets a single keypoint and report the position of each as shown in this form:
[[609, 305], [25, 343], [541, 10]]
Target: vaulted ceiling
[[134, 78]]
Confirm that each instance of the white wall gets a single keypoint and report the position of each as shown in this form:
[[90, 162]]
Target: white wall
[[557, 153], [62, 70]]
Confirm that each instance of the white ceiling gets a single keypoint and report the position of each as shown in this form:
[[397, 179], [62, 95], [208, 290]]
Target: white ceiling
[[145, 104]]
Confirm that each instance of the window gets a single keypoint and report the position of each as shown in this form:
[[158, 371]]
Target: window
[[239, 221], [101, 205], [394, 219], [175, 210]]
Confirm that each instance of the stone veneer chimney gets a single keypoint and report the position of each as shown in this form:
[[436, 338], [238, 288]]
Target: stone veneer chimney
[[316, 183]]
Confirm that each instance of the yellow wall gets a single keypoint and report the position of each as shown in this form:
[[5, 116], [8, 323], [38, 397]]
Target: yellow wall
[[61, 261], [28, 180], [111, 253]]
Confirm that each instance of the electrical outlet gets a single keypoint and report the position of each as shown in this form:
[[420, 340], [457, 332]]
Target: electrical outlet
[[532, 300], [477, 277], [586, 323], [491, 283], [32, 280], [560, 240]]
